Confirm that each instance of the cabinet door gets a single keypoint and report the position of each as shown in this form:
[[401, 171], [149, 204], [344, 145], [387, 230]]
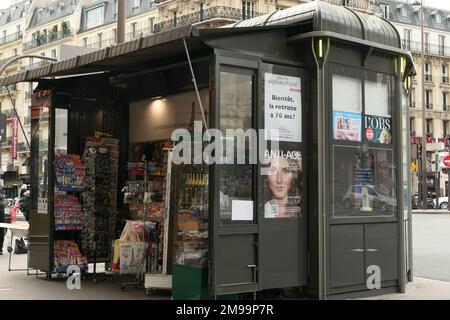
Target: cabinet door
[[346, 255], [382, 249]]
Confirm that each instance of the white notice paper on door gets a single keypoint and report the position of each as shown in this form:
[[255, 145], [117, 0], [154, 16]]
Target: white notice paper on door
[[242, 210]]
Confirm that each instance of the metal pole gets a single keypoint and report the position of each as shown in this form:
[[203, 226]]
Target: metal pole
[[195, 84], [437, 180], [424, 126], [121, 12]]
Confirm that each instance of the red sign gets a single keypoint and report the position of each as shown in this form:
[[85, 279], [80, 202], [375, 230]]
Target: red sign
[[15, 134], [446, 161]]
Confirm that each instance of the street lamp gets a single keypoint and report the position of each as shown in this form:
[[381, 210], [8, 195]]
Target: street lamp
[[416, 5], [2, 70]]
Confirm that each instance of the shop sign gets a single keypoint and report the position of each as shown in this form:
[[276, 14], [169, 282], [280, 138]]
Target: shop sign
[[378, 129], [15, 133], [3, 120], [347, 126], [283, 108], [446, 140]]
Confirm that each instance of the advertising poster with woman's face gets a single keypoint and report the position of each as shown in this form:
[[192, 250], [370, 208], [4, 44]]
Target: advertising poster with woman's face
[[283, 186]]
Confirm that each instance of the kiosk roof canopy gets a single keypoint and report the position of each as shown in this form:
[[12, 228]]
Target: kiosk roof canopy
[[331, 18], [142, 53]]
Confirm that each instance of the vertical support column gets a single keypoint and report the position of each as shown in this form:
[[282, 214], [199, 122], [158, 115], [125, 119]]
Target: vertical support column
[[320, 48]]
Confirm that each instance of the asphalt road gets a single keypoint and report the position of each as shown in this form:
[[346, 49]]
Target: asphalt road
[[431, 246]]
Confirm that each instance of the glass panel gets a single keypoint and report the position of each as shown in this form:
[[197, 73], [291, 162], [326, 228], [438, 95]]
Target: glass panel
[[351, 101], [235, 181], [191, 217], [347, 108], [61, 125], [40, 114], [363, 182], [379, 95]]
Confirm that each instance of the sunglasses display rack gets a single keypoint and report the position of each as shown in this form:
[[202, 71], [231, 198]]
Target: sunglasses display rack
[[101, 157], [190, 236]]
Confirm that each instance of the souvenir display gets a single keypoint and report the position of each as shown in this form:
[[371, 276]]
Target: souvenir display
[[70, 172], [101, 156], [67, 253], [68, 212], [191, 216]]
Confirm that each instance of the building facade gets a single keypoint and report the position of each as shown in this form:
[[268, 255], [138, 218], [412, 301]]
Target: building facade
[[406, 18], [47, 27], [14, 151]]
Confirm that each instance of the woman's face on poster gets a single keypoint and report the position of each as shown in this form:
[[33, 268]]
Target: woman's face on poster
[[280, 178]]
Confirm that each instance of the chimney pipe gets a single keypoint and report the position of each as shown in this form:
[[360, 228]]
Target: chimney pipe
[[121, 8]]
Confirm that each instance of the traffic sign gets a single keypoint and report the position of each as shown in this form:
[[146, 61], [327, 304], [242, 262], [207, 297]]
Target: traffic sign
[[446, 161]]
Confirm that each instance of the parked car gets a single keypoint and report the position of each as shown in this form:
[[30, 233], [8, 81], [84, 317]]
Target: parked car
[[378, 199], [443, 203]]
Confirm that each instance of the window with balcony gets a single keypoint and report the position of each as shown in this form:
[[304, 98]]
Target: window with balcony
[[407, 39], [133, 30], [429, 99], [441, 45], [151, 25], [427, 42], [444, 73], [428, 76], [412, 98], [175, 14], [115, 9], [385, 10], [94, 17], [403, 12], [429, 128], [248, 9], [136, 6], [445, 101], [99, 40]]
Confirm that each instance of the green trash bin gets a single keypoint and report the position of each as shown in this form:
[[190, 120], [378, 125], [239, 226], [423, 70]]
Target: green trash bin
[[191, 283]]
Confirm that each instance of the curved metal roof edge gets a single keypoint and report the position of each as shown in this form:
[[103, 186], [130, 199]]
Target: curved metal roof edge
[[383, 19]]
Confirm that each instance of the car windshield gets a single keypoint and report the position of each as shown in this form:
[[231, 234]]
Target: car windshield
[[382, 192]]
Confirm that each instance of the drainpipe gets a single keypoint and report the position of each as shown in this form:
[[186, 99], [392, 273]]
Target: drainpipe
[[121, 12]]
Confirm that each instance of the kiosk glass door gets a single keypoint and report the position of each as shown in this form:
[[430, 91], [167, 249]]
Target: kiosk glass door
[[259, 221]]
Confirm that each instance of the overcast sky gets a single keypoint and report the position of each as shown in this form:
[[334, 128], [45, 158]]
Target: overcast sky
[[443, 4]]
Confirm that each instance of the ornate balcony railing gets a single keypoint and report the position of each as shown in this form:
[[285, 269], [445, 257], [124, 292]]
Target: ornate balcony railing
[[11, 38], [227, 13], [44, 39]]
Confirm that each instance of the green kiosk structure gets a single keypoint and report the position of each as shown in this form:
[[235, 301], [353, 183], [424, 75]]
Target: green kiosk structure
[[324, 208]]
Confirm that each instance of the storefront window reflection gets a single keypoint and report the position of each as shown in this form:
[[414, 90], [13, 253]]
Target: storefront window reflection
[[364, 182], [363, 161], [236, 190], [40, 113]]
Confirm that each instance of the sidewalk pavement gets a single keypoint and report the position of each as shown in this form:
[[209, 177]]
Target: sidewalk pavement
[[420, 289], [430, 211]]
